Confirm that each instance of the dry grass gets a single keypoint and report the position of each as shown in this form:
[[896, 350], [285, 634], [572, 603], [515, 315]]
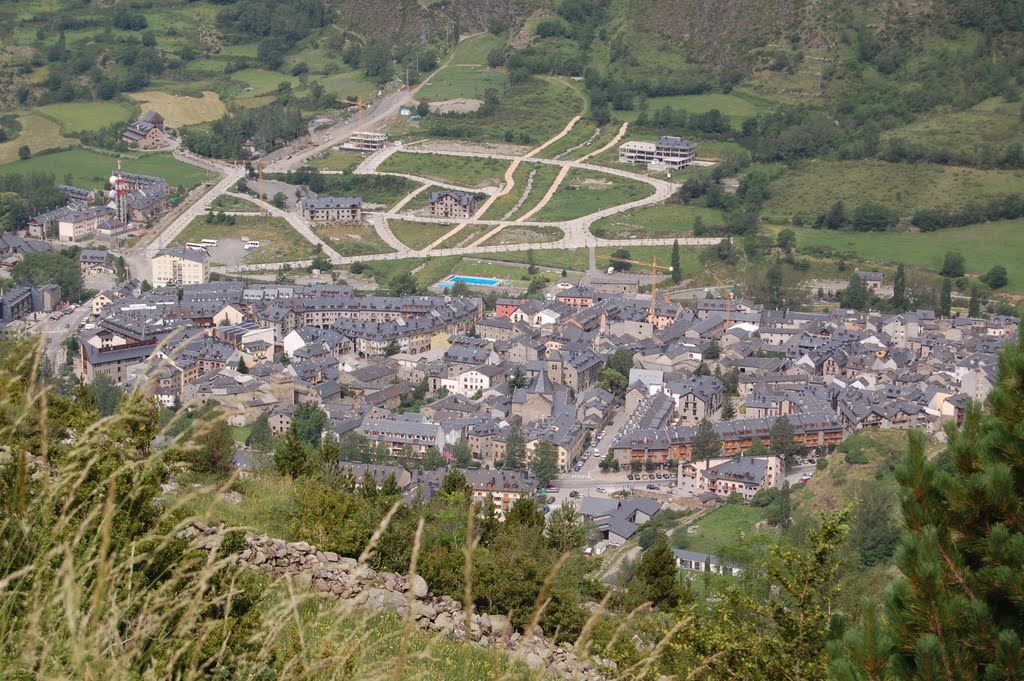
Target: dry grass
[[179, 110], [38, 133]]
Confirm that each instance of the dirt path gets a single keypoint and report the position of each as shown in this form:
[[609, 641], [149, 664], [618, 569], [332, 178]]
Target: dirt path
[[612, 143]]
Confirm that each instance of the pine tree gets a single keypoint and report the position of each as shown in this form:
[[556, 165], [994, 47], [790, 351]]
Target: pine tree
[[368, 486], [756, 448], [544, 463], [524, 513], [899, 290], [783, 442], [290, 454], [946, 298], [655, 578], [462, 454], [677, 271], [728, 411], [706, 443], [260, 437], [432, 459], [242, 368], [515, 450], [390, 488], [489, 523], [974, 304], [565, 532]]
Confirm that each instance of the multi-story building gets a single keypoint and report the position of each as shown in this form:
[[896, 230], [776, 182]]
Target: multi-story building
[[452, 204], [82, 224], [670, 153], [744, 475], [402, 437], [147, 132], [369, 141], [333, 209], [180, 266]]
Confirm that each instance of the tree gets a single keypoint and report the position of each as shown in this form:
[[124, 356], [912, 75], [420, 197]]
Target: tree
[[655, 579], [242, 367], [216, 446], [515, 449], [953, 265], [780, 511], [432, 459], [612, 381], [856, 295], [544, 463], [620, 266], [677, 270], [728, 411], [706, 443], [460, 289], [995, 277], [836, 217], [756, 448], [422, 109], [873, 217], [621, 361], [308, 421], [462, 454], [524, 513], [873, 532], [455, 483], [518, 379], [786, 240], [713, 351], [946, 298], [260, 437], [783, 442], [565, 532], [899, 290], [106, 394], [392, 349], [290, 455], [403, 285], [52, 267], [974, 303], [24, 152]]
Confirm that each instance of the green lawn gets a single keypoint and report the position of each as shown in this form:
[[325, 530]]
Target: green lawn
[[577, 259], [386, 190], [418, 234], [812, 187], [985, 129], [227, 203], [262, 82], [661, 220], [584, 192], [982, 245], [689, 258], [342, 160], [346, 84], [543, 175], [736, 106], [352, 238], [92, 169], [458, 170], [474, 50], [467, 235], [533, 111], [465, 82], [727, 525], [75, 116], [280, 243]]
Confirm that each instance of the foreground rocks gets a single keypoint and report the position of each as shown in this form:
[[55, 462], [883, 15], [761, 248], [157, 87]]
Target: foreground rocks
[[363, 587]]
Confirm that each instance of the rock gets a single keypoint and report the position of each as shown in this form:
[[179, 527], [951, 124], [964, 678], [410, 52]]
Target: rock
[[260, 558], [443, 622], [421, 609], [500, 626], [533, 661], [418, 586], [304, 580], [382, 599], [330, 557]]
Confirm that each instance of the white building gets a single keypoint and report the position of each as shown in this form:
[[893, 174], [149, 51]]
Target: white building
[[668, 153], [745, 475], [180, 266], [370, 141]]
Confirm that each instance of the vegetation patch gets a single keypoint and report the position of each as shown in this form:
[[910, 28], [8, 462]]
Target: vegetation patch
[[585, 191], [278, 241], [352, 238], [339, 160], [418, 235], [543, 175], [76, 116], [228, 203], [178, 110], [661, 220], [38, 133], [381, 190], [525, 234], [91, 169], [462, 171], [735, 106], [462, 82]]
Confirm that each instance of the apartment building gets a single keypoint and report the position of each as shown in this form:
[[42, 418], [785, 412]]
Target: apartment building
[[333, 209], [669, 153], [180, 266]]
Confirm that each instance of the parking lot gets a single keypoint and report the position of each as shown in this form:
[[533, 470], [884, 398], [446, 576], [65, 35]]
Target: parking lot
[[227, 252]]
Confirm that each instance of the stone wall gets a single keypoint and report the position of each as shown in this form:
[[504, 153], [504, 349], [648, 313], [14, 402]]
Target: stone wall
[[360, 585]]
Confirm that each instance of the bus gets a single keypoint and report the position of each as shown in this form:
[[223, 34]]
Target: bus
[[193, 246], [209, 243], [249, 245]]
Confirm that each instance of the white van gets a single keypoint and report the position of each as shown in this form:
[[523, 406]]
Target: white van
[[602, 490]]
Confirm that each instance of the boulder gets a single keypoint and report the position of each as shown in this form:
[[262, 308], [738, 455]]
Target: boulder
[[382, 599], [533, 661], [443, 622], [418, 586], [500, 626]]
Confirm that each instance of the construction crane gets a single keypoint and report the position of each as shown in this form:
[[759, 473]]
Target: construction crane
[[730, 292], [654, 280], [360, 105]]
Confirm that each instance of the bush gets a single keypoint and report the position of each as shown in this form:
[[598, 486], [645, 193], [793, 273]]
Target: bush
[[822, 464], [856, 457]]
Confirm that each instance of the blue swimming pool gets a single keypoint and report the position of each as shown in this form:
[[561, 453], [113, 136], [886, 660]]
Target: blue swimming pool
[[472, 281]]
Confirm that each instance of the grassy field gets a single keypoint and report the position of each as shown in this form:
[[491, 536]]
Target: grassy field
[[75, 116], [727, 525], [178, 111], [584, 192], [38, 133], [385, 190], [536, 110], [983, 246], [341, 160], [812, 187], [92, 169], [542, 179], [661, 220], [346, 84], [463, 82], [352, 238], [280, 242], [577, 259], [736, 106], [581, 133], [262, 82], [225, 202], [458, 170], [474, 49], [525, 235], [466, 236], [418, 234], [992, 124]]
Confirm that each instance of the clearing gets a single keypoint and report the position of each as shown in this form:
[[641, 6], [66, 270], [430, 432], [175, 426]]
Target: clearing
[[339, 160], [76, 116], [812, 187], [352, 238], [525, 234], [736, 106], [179, 110], [228, 203], [92, 169], [38, 133], [462, 171], [585, 191], [418, 235], [279, 242], [661, 220]]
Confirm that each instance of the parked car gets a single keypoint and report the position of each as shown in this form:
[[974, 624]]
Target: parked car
[[805, 477], [551, 500], [547, 509], [602, 490], [574, 494], [653, 487]]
